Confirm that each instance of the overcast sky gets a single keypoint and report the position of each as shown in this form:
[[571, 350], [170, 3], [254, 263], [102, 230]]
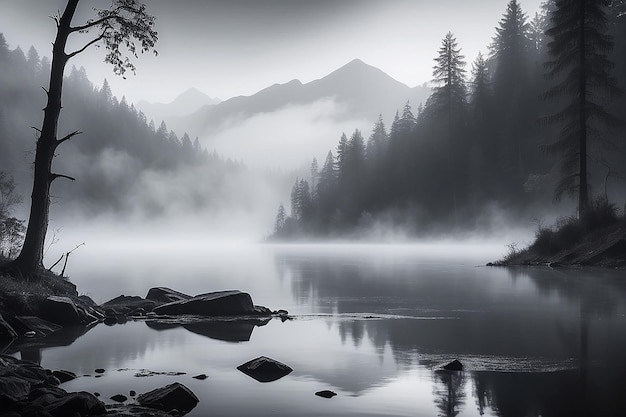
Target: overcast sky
[[227, 48]]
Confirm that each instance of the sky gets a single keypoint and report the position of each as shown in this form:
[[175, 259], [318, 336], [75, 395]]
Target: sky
[[227, 48]]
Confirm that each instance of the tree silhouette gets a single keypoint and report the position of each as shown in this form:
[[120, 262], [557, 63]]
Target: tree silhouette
[[125, 28], [579, 49]]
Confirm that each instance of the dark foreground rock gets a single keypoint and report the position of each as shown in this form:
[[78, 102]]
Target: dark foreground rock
[[175, 396], [265, 369], [220, 303], [28, 390]]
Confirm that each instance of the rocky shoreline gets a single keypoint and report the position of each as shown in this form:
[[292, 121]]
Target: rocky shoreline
[[57, 319]]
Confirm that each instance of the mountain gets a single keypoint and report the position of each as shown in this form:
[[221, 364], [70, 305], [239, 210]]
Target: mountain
[[185, 104], [363, 91]]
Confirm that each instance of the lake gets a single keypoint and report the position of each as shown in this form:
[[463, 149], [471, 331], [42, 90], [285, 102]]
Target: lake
[[373, 323]]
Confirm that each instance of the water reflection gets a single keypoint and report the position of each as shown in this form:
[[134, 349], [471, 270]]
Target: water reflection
[[374, 325], [226, 330], [449, 392]]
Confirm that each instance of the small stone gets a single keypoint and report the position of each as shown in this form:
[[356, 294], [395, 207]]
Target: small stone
[[64, 376], [119, 398], [200, 377], [99, 371], [455, 365], [326, 394], [96, 394], [132, 393]]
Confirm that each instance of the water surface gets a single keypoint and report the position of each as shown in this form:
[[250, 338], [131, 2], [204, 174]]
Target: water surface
[[371, 323]]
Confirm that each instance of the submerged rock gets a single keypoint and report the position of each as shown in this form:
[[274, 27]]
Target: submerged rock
[[175, 396], [64, 376], [455, 365], [265, 369], [220, 303], [326, 394], [120, 398]]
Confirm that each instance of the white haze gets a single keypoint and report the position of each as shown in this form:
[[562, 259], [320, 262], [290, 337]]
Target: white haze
[[286, 139]]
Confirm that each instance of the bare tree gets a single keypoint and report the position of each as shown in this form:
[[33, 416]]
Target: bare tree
[[124, 29]]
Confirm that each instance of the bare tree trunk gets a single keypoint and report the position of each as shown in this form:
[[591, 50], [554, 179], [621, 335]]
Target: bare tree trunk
[[30, 259]]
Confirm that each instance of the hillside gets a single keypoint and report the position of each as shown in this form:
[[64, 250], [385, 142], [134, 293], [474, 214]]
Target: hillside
[[365, 91]]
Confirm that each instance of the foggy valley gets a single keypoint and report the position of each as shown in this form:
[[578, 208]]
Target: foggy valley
[[429, 198]]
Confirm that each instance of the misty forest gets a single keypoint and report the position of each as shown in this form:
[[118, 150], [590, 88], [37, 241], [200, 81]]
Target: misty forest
[[501, 132], [370, 216]]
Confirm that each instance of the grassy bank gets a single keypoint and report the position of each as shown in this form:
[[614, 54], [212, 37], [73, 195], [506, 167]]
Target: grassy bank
[[597, 239]]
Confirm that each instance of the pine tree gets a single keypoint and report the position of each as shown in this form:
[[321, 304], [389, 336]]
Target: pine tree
[[377, 142], [449, 75], [281, 217], [579, 50]]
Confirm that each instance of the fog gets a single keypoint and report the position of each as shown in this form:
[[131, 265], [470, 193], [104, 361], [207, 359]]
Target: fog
[[287, 139]]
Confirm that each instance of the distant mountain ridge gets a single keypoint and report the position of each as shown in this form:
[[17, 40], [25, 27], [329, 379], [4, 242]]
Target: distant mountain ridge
[[186, 103], [364, 90]]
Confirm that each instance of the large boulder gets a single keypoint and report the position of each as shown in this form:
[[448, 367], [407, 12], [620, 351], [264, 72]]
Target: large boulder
[[220, 303], [60, 310], [175, 396], [166, 295], [265, 369]]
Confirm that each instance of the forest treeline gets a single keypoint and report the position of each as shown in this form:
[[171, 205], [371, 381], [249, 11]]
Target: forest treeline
[[115, 152], [482, 139]]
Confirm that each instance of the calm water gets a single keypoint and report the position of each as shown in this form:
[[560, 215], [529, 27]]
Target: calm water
[[372, 323]]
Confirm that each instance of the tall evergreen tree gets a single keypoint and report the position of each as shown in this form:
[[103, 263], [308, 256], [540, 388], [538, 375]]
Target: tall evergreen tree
[[449, 75], [579, 50]]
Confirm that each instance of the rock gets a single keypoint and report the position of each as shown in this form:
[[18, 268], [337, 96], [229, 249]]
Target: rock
[[76, 403], [326, 394], [27, 324], [220, 303], [132, 393], [99, 371], [201, 377], [14, 388], [86, 300], [265, 369], [64, 376], [455, 365], [110, 321], [175, 396], [165, 295], [119, 398], [6, 331], [123, 305], [60, 310]]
